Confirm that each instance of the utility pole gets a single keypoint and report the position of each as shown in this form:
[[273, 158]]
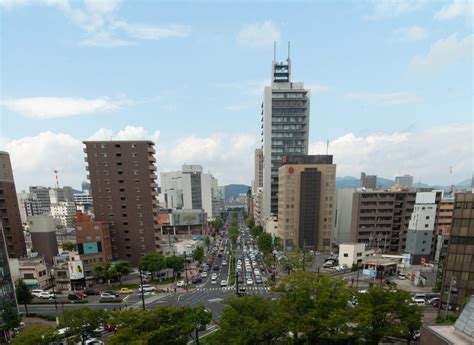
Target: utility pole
[[141, 287], [452, 284], [236, 283], [186, 270], [54, 293]]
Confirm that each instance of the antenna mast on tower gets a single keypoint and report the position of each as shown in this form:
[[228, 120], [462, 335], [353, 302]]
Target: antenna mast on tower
[[57, 178]]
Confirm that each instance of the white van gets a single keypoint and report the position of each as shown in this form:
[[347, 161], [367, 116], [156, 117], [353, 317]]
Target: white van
[[36, 292], [419, 301]]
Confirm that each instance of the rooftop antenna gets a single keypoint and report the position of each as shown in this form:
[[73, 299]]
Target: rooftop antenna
[[327, 146], [288, 50], [451, 178], [274, 50], [57, 178]]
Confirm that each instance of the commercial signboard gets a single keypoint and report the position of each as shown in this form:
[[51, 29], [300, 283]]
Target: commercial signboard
[[188, 218], [367, 272], [76, 270]]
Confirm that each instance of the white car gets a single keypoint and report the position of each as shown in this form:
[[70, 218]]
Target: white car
[[204, 274], [214, 276], [146, 288], [36, 292], [249, 281], [214, 281], [181, 283], [46, 295], [93, 341], [224, 263], [106, 295], [223, 282]]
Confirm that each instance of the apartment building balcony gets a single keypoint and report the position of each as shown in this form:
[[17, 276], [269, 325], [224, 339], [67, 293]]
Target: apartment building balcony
[[153, 177], [151, 149], [151, 159], [85, 150], [153, 185]]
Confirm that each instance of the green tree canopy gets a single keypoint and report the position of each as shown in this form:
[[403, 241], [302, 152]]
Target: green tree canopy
[[233, 234], [198, 253], [176, 263], [315, 307], [200, 318], [256, 231], [265, 243], [163, 325], [23, 294], [84, 320], [9, 318], [122, 268], [35, 335], [152, 262], [69, 246], [385, 311], [250, 320]]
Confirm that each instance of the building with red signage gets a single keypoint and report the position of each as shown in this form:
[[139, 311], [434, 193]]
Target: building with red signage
[[93, 242]]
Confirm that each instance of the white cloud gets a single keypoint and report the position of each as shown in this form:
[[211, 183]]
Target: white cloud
[[34, 159], [259, 34], [101, 26], [424, 154], [54, 107], [391, 98], [229, 156], [151, 32], [457, 8], [128, 133], [444, 52], [412, 33], [393, 8]]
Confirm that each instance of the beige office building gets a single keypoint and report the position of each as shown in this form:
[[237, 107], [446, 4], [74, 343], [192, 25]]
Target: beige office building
[[307, 201]]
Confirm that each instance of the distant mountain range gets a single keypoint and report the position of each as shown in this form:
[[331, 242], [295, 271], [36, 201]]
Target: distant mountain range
[[233, 190], [354, 182]]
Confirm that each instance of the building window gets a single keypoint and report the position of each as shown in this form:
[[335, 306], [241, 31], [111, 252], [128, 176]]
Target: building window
[[346, 255]]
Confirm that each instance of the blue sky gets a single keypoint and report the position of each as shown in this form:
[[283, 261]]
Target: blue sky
[[391, 82]]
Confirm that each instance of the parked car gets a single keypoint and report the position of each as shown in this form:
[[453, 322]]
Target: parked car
[[196, 279], [36, 292], [419, 301], [46, 295], [110, 328], [74, 297], [114, 293], [181, 283], [107, 295], [91, 292], [125, 291], [146, 288], [401, 276], [433, 301]]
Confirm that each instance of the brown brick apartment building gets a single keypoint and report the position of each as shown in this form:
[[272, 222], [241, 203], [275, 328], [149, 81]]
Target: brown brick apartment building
[[9, 210], [124, 193], [307, 201], [93, 242]]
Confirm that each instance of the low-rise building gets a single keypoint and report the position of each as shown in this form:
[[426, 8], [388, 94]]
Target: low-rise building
[[32, 271], [461, 333], [184, 224], [69, 272], [351, 254], [43, 236], [270, 225], [94, 244]]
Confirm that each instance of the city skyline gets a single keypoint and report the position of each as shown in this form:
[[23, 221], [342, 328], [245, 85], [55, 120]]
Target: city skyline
[[392, 98]]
